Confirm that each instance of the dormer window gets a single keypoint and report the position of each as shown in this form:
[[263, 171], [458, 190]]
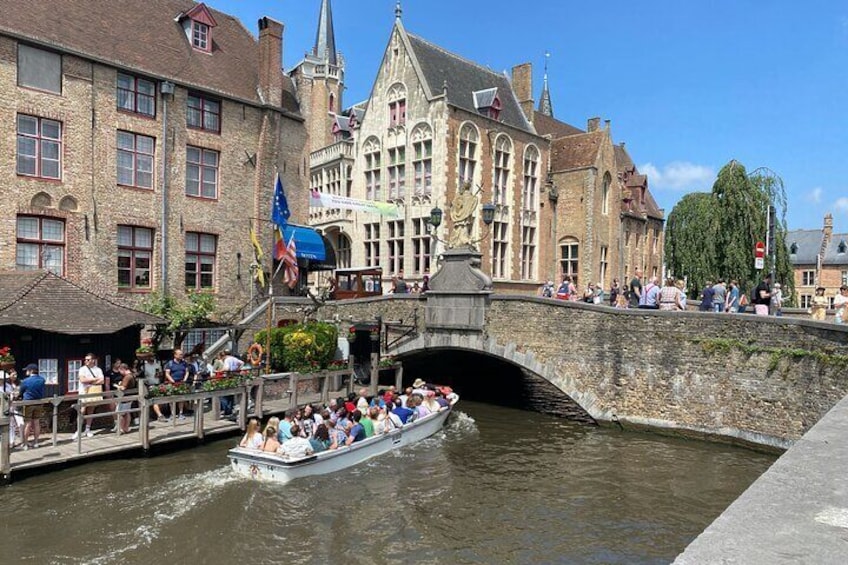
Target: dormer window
[[197, 24], [488, 103], [841, 248], [793, 249]]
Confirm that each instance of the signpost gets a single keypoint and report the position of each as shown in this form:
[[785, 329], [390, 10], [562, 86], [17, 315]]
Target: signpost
[[759, 255]]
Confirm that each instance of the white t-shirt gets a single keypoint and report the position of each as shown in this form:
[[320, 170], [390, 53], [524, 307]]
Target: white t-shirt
[[232, 363], [255, 441], [295, 447], [88, 372], [839, 303], [150, 370]]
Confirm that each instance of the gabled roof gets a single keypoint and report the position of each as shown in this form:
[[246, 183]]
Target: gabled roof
[[832, 256], [40, 300], [808, 243], [146, 38], [576, 151], [325, 37], [463, 78], [485, 98], [547, 125], [623, 162], [201, 14]]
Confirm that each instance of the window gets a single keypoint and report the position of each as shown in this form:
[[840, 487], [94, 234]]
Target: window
[[808, 278], [207, 337], [135, 160], [806, 300], [136, 95], [372, 245], [529, 197], [200, 36], [604, 265], [203, 113], [421, 246], [503, 148], [201, 172], [467, 153], [528, 252], [397, 105], [135, 251], [372, 169], [342, 251], [793, 249], [395, 241], [49, 369], [655, 243], [73, 375], [830, 302], [568, 260], [422, 164], [200, 260], [845, 278], [39, 147], [39, 69], [841, 248], [397, 172], [41, 244], [331, 103], [605, 195], [500, 243]]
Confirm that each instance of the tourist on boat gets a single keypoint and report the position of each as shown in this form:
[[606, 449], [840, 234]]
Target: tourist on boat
[[296, 446], [320, 441], [338, 437], [389, 394], [402, 412], [441, 396], [357, 430], [273, 422], [342, 420], [405, 396], [284, 429], [368, 421], [252, 438], [270, 445], [392, 421], [421, 409], [362, 403], [350, 403], [307, 421], [419, 387]]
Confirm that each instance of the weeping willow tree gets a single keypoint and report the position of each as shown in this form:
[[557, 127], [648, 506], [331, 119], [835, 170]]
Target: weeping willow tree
[[711, 235]]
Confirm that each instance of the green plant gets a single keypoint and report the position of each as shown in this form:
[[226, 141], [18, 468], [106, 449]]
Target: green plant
[[385, 362], [6, 355], [303, 347], [169, 390], [182, 315], [776, 354]]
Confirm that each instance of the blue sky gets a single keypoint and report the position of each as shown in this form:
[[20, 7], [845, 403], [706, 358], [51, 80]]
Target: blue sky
[[687, 85]]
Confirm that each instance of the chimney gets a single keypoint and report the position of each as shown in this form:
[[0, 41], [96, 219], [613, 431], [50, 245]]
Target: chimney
[[593, 124], [522, 85], [606, 125], [827, 231], [271, 61]]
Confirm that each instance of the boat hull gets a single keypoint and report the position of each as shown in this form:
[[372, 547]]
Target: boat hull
[[274, 468]]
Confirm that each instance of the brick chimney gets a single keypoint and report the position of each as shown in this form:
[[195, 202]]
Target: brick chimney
[[593, 124], [271, 61], [827, 231], [522, 85]]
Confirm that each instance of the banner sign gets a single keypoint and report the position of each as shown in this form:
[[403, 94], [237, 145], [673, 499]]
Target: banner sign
[[323, 200]]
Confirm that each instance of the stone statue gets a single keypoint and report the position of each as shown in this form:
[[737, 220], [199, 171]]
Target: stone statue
[[462, 214]]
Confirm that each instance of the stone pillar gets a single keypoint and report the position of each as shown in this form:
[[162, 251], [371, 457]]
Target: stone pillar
[[459, 292]]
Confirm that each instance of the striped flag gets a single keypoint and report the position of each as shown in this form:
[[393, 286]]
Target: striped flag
[[291, 272], [279, 244]]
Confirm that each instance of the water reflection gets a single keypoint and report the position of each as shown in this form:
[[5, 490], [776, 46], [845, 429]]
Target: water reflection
[[497, 486]]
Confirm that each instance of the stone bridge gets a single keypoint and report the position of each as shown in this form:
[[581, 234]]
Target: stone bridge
[[751, 379]]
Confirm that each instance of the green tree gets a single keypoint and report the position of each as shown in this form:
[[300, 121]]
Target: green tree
[[710, 235], [182, 315]]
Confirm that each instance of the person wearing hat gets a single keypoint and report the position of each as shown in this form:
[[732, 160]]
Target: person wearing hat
[[840, 304], [32, 388], [818, 307], [776, 307], [420, 387]]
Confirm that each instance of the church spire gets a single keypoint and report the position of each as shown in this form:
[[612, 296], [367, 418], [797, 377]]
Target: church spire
[[545, 106], [325, 39]]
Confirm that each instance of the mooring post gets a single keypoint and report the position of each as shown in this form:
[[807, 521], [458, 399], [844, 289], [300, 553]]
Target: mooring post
[[143, 416], [260, 397], [56, 401], [5, 443], [399, 379]]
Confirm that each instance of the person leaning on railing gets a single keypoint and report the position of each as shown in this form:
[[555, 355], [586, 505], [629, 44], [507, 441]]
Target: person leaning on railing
[[32, 388]]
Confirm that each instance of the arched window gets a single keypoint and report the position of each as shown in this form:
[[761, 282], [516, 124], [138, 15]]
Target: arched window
[[331, 105], [422, 159], [397, 105], [529, 205], [569, 255], [468, 141], [503, 151], [342, 244], [605, 194], [371, 150], [530, 195]]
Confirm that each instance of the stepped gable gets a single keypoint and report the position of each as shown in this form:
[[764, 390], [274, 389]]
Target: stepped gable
[[146, 38], [43, 301], [463, 79]]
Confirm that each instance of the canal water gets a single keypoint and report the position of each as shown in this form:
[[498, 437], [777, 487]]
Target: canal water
[[498, 485]]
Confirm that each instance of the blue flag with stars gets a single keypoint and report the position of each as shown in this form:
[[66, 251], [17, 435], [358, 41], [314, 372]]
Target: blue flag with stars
[[280, 212]]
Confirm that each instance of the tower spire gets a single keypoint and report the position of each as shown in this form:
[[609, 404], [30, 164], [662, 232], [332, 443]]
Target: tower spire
[[325, 39], [398, 10], [545, 106]]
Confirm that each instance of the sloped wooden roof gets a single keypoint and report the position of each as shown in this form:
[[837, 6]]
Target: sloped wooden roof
[[40, 300], [576, 151]]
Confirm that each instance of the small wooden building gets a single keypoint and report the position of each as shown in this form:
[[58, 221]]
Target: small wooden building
[[54, 323]]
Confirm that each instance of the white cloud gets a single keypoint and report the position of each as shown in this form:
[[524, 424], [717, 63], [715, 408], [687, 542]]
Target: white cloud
[[841, 204], [815, 195], [679, 176]]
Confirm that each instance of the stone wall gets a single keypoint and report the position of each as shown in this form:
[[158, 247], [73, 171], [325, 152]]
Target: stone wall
[[759, 380]]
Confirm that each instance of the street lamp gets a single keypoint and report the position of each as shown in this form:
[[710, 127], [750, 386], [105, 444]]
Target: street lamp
[[436, 217]]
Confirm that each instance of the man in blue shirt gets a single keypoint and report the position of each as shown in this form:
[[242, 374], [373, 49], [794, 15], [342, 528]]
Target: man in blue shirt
[[177, 371], [32, 388], [402, 412], [357, 431]]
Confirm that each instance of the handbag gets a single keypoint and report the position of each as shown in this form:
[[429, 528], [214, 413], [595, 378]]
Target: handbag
[[93, 389]]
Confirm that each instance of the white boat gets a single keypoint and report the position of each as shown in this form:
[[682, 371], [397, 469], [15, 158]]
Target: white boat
[[265, 466]]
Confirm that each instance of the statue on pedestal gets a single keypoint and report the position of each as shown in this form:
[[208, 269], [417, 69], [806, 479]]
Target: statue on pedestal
[[462, 213]]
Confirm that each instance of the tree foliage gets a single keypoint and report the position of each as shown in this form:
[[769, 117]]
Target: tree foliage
[[711, 235], [182, 315], [301, 347]]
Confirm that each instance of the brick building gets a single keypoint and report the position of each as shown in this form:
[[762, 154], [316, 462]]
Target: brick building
[[567, 201], [819, 258], [137, 141]]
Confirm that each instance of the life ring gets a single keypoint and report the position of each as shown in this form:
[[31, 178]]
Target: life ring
[[254, 354]]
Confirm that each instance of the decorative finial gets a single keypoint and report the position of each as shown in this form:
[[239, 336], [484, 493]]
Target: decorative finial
[[445, 87], [398, 10]]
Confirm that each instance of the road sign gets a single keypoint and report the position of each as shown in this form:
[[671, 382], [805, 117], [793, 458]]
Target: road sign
[[759, 263], [760, 251]]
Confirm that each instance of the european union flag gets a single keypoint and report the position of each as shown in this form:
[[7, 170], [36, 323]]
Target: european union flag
[[280, 213]]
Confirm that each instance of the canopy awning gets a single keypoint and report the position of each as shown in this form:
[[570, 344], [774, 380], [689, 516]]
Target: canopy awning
[[309, 243]]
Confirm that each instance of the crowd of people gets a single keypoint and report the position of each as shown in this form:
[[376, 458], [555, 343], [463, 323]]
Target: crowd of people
[[343, 421]]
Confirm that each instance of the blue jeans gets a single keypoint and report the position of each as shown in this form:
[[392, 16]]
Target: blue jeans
[[718, 307], [227, 405]]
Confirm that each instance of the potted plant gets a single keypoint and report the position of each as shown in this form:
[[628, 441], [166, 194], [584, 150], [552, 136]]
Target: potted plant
[[7, 360], [146, 350]]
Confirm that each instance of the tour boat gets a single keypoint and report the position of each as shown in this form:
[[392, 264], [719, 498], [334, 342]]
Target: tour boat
[[265, 466]]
